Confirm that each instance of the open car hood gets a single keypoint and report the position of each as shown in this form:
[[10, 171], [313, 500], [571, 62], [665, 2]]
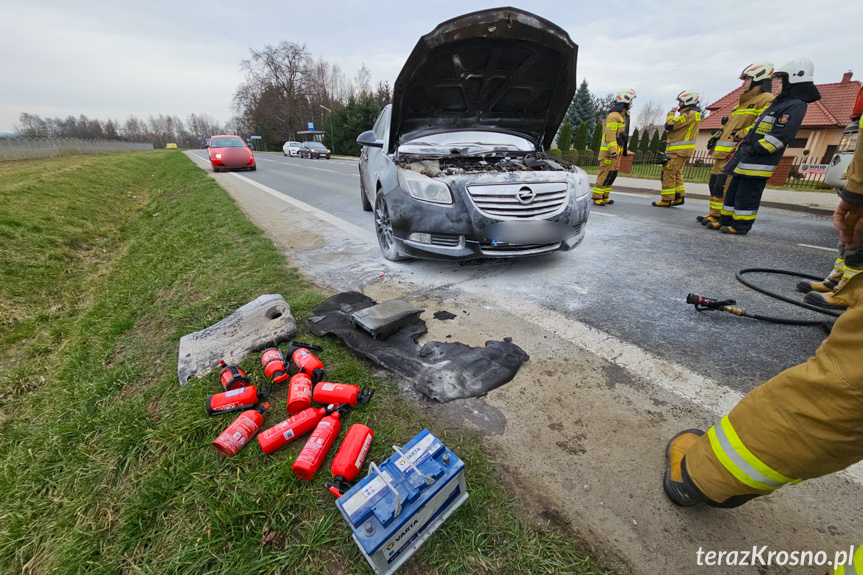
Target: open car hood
[[501, 70]]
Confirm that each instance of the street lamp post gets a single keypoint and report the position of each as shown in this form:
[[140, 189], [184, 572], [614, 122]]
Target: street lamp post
[[332, 130]]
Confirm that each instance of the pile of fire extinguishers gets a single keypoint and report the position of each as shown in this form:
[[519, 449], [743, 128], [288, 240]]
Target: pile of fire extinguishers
[[304, 386]]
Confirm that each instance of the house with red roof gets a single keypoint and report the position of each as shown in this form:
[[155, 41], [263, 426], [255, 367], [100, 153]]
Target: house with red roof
[[822, 127]]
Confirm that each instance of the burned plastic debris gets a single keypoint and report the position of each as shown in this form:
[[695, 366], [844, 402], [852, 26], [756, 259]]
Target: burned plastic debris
[[441, 371]]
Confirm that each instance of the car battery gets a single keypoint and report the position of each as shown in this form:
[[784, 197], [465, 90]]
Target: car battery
[[399, 504]]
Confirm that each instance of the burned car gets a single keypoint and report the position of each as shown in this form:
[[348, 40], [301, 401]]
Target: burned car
[[455, 167]]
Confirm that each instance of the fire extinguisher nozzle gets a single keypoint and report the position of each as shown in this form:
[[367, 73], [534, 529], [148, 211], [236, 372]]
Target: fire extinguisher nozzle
[[317, 376], [295, 345]]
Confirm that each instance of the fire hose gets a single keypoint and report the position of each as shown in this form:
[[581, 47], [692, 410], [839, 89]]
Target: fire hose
[[730, 305]]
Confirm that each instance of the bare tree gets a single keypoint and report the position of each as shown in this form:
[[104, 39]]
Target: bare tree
[[362, 81], [649, 115]]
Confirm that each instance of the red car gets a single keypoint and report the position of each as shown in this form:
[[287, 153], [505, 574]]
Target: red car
[[230, 152]]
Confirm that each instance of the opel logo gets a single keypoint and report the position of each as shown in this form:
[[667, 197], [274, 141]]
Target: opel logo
[[525, 195]]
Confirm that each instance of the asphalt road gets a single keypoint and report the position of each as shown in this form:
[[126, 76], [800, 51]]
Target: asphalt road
[[631, 275]]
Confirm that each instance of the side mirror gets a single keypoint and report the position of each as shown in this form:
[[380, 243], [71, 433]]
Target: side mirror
[[370, 139]]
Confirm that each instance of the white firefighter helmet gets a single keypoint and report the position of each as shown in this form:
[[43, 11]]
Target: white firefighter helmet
[[758, 71], [624, 96], [798, 71], [688, 97]]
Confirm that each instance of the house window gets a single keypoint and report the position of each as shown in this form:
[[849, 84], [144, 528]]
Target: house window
[[828, 155], [798, 143]]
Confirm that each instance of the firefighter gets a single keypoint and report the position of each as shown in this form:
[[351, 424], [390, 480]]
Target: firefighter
[[762, 148], [681, 129], [754, 100], [615, 137], [804, 423], [850, 262]]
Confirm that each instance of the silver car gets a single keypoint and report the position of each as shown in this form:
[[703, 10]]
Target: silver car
[[455, 167], [837, 170]]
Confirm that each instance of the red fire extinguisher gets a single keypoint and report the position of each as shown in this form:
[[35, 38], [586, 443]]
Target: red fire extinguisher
[[236, 399], [275, 365], [232, 376], [326, 392], [238, 434], [350, 458], [313, 453], [299, 393], [305, 360], [287, 431]]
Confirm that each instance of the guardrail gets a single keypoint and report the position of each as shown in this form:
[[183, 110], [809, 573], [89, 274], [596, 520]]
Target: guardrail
[[29, 148]]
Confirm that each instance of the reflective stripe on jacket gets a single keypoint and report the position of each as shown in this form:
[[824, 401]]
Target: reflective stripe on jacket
[[766, 139], [682, 130], [752, 104], [615, 122]]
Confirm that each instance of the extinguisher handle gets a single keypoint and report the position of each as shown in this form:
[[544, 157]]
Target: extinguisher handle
[[343, 409], [338, 486], [295, 345], [366, 394]]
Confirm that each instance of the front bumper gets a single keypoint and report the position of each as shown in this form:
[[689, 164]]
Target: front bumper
[[460, 231]]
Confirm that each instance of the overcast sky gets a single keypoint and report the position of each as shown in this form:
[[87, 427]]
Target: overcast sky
[[110, 59]]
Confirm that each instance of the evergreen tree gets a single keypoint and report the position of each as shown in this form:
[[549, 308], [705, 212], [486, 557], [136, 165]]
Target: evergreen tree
[[634, 141], [579, 142], [644, 146], [596, 140], [564, 141], [663, 141], [655, 144], [582, 109]]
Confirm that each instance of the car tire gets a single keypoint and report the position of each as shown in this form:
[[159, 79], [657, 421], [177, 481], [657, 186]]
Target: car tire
[[367, 207], [253, 168], [216, 170], [384, 230]]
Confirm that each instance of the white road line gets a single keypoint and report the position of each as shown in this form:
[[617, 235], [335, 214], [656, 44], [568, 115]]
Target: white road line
[[598, 213], [336, 221], [683, 382], [818, 247]]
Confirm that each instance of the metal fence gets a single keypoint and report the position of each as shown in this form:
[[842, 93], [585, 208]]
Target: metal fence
[[697, 168], [29, 148], [804, 176]]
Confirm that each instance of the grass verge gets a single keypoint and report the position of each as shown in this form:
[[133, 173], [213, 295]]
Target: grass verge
[[105, 462]]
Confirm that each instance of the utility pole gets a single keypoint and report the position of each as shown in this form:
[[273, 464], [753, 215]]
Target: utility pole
[[332, 130]]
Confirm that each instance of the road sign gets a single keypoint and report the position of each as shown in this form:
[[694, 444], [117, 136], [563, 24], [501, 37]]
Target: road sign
[[311, 126], [255, 137]]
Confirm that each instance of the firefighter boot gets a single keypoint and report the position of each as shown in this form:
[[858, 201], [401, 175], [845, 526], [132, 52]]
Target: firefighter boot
[[679, 199], [732, 231], [663, 203], [826, 285], [679, 492], [600, 202], [830, 300]]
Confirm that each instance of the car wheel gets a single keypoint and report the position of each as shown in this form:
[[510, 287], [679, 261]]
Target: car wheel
[[253, 168], [384, 230], [216, 170]]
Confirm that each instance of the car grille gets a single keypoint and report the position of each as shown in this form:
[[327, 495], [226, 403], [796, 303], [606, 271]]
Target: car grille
[[445, 241], [520, 201], [513, 249]]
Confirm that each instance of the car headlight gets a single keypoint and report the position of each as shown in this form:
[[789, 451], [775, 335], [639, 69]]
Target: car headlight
[[218, 156], [424, 188]]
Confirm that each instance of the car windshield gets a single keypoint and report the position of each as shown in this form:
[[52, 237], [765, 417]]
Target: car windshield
[[294, 144], [315, 145], [467, 142], [227, 143]]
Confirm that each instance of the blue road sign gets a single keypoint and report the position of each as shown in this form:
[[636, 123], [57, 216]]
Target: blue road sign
[[311, 126]]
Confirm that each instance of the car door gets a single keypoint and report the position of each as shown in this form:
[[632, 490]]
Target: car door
[[375, 158]]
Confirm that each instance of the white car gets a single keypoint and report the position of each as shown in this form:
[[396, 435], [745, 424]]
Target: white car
[[291, 148], [837, 171]]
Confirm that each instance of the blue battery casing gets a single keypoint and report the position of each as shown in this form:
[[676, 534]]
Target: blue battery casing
[[386, 538]]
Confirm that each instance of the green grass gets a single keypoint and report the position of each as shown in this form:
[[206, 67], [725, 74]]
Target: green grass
[[105, 462]]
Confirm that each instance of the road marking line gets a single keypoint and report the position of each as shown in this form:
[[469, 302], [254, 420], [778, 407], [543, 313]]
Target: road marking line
[[683, 382], [818, 247], [336, 221], [595, 213]]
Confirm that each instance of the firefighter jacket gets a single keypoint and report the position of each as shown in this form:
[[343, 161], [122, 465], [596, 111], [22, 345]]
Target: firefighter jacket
[[752, 104], [682, 130], [614, 132], [765, 142]]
